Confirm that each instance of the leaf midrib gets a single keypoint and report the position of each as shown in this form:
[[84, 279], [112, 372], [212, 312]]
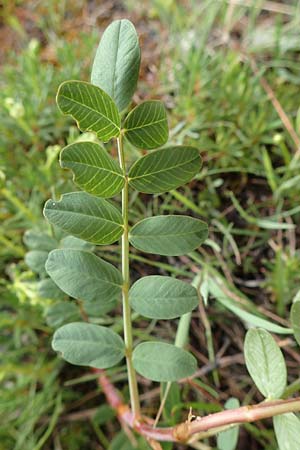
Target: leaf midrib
[[145, 126], [157, 298], [95, 278], [115, 62], [169, 234], [163, 170], [90, 108], [94, 167], [91, 342], [266, 366], [86, 215]]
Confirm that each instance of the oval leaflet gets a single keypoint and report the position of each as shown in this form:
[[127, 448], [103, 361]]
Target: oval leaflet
[[159, 361], [90, 218], [168, 235], [87, 344], [160, 297]]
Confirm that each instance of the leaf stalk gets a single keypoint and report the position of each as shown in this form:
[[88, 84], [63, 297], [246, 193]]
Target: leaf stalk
[[132, 381]]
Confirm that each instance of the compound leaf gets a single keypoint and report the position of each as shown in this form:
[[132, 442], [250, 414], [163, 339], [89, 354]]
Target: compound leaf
[[159, 361], [265, 363], [91, 107], [160, 297], [168, 235], [94, 170], [117, 62], [84, 276], [165, 169], [87, 344], [90, 218], [146, 126]]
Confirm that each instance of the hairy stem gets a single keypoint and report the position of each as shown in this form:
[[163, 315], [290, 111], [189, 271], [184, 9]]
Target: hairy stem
[[133, 389]]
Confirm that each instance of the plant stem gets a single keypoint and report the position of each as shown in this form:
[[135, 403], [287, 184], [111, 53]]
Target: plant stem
[[245, 414], [201, 427], [133, 388]]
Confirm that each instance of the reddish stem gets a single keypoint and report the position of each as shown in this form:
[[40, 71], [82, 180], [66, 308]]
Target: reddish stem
[[185, 430]]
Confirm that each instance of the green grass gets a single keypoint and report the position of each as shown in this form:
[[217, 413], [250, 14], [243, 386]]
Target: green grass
[[226, 112], [248, 191]]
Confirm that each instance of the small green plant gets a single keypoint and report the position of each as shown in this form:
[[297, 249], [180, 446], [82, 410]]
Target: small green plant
[[101, 107]]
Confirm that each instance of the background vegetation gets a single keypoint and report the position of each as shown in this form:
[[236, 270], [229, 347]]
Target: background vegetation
[[229, 74]]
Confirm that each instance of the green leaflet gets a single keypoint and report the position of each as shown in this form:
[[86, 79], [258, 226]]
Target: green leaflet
[[146, 126], [94, 170], [86, 344], [75, 243], [168, 235], [117, 62], [90, 218], [48, 289], [265, 363], [62, 312], [227, 440], [98, 308], [35, 260], [159, 361], [287, 430], [295, 320], [165, 169], [36, 240], [91, 107], [84, 276], [160, 297]]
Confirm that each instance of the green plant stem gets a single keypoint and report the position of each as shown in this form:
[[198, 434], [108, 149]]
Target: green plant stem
[[132, 381]]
